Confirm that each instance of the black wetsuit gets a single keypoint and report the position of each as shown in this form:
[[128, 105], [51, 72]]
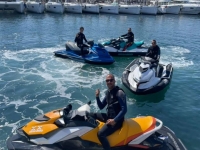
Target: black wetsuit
[[154, 52], [79, 40], [116, 109], [129, 36]]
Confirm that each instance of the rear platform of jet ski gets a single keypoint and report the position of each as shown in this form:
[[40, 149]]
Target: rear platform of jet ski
[[164, 73]]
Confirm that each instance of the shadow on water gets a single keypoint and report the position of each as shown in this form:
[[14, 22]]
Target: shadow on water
[[141, 100]]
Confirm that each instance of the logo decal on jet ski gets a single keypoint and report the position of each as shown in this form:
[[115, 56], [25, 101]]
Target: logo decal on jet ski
[[36, 129]]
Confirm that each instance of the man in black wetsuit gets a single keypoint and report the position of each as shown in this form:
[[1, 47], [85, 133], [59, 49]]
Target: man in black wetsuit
[[115, 99], [130, 37], [154, 51], [79, 40]]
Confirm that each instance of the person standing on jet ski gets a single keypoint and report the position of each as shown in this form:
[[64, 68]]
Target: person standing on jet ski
[[130, 37], [79, 40], [154, 51], [115, 99]]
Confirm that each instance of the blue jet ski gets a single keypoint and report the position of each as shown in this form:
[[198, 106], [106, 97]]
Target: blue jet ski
[[93, 54], [115, 47]]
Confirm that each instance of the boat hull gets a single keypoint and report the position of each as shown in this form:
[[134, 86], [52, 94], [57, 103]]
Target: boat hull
[[130, 9], [90, 8], [73, 8], [54, 7], [35, 7]]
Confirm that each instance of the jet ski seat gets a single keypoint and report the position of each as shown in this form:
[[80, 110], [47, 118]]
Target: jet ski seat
[[131, 129], [73, 46]]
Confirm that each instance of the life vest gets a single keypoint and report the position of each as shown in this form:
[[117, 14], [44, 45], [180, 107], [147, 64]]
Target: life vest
[[113, 104]]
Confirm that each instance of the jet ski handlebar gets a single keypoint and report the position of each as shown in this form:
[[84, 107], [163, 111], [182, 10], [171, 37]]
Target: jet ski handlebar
[[90, 43]]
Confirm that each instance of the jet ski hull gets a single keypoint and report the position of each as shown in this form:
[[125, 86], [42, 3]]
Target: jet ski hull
[[164, 81], [171, 139], [87, 58], [127, 53], [165, 138], [115, 48], [67, 129]]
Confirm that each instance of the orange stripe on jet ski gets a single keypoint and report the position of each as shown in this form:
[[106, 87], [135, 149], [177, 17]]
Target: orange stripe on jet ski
[[130, 138]]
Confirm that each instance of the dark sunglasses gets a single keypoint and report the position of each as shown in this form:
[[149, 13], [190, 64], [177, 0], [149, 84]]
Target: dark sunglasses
[[111, 80]]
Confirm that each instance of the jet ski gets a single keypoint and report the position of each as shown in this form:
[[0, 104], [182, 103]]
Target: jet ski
[[93, 54], [75, 129], [144, 76], [115, 47]]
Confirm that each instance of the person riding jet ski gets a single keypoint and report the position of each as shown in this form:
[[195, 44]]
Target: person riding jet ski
[[154, 52], [130, 37], [72, 129], [146, 75], [115, 100], [79, 40]]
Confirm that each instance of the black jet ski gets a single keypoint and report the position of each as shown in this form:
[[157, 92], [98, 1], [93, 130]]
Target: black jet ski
[[93, 54], [144, 76], [67, 129]]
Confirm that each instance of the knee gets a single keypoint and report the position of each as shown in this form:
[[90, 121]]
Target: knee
[[101, 134]]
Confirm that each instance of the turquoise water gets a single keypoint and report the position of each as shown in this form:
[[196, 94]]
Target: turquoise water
[[33, 81]]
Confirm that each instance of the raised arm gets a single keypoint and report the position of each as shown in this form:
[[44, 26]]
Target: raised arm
[[102, 104]]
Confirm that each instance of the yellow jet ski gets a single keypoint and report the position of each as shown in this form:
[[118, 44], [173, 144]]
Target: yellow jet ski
[[67, 129]]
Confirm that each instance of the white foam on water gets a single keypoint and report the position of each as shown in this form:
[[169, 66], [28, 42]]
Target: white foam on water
[[14, 125], [17, 103], [39, 110], [78, 102], [2, 117], [4, 99], [52, 70], [29, 54], [175, 55], [43, 102], [130, 101]]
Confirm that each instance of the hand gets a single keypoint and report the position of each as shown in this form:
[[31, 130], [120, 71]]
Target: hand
[[111, 122], [97, 92]]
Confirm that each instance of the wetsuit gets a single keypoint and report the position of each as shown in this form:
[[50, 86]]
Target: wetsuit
[[154, 52], [116, 109], [79, 40], [130, 37]]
